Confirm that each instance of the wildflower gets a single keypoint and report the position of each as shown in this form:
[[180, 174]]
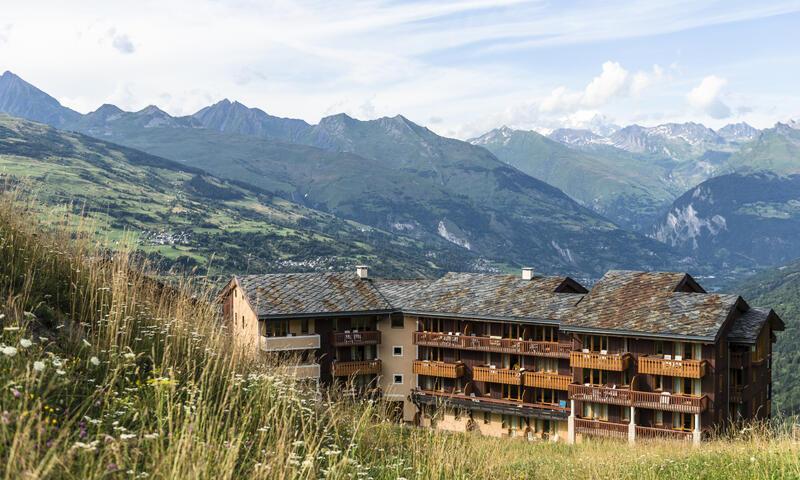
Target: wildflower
[[16, 393], [151, 436], [25, 343], [9, 351], [112, 467], [61, 372], [127, 436], [129, 356], [85, 342], [38, 366], [94, 361], [11, 329]]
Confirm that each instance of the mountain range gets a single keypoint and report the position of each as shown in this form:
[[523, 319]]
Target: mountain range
[[388, 173], [575, 201]]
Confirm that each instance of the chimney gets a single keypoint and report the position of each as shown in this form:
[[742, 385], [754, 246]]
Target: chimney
[[362, 271], [527, 273]]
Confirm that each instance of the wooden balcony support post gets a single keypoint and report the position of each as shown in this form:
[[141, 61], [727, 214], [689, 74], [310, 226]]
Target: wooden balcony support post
[[571, 423], [632, 427], [696, 434]]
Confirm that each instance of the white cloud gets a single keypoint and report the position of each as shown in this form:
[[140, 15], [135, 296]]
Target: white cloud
[[609, 83], [121, 42], [706, 97], [643, 80]]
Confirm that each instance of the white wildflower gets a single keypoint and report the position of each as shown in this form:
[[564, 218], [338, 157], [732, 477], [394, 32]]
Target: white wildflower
[[61, 372], [25, 343], [130, 356], [85, 342], [151, 436], [127, 436], [94, 361], [9, 351], [38, 366], [11, 329]]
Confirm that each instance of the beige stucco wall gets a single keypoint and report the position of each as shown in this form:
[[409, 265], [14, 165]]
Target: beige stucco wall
[[391, 365], [244, 324]]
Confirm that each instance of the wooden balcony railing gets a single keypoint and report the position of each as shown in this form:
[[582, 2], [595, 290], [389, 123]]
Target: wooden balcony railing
[[602, 361], [497, 375], [656, 433], [599, 428], [547, 380], [498, 345], [612, 396], [289, 343], [346, 339], [357, 367], [634, 398], [438, 369], [485, 403], [673, 368], [670, 403]]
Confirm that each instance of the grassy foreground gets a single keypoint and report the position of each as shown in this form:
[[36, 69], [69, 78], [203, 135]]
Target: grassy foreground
[[107, 374]]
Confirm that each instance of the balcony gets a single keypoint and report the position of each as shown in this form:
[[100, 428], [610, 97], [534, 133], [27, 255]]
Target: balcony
[[301, 372], [438, 369], [634, 398], [616, 362], [356, 367], [600, 428], [289, 343], [547, 380], [497, 375], [656, 433], [589, 393], [489, 344], [670, 403], [672, 368], [489, 404], [347, 339]]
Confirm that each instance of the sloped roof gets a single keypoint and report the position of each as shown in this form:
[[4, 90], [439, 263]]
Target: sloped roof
[[497, 296], [400, 293], [286, 294], [747, 326], [654, 303]]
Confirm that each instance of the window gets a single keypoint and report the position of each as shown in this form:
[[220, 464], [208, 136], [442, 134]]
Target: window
[[658, 417], [683, 421], [512, 392], [594, 376], [304, 326], [625, 414], [487, 418], [595, 343], [397, 351], [397, 379], [397, 321], [277, 328], [595, 411], [659, 383], [545, 334], [242, 321], [546, 396]]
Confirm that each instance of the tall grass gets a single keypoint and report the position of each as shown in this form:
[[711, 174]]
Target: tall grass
[[108, 374]]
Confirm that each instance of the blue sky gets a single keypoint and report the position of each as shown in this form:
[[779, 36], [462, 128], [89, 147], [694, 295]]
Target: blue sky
[[459, 67]]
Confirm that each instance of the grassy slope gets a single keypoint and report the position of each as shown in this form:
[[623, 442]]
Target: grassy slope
[[110, 376], [780, 289], [240, 227]]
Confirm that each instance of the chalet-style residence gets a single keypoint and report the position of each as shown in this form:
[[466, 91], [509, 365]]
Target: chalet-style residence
[[641, 355]]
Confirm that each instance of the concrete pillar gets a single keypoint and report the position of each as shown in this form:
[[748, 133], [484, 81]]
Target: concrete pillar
[[696, 434], [571, 423], [632, 427]]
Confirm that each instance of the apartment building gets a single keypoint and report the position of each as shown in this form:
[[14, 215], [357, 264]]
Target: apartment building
[[640, 355]]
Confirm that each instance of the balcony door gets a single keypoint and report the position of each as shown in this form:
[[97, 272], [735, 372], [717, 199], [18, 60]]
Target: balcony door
[[595, 343]]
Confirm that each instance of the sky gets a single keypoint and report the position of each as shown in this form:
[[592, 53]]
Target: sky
[[459, 67]]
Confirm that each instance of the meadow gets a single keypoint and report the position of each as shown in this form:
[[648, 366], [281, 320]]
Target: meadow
[[107, 372]]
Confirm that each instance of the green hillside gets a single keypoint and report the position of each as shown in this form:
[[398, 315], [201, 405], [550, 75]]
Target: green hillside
[[775, 149], [187, 217], [627, 188], [397, 176], [779, 288]]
